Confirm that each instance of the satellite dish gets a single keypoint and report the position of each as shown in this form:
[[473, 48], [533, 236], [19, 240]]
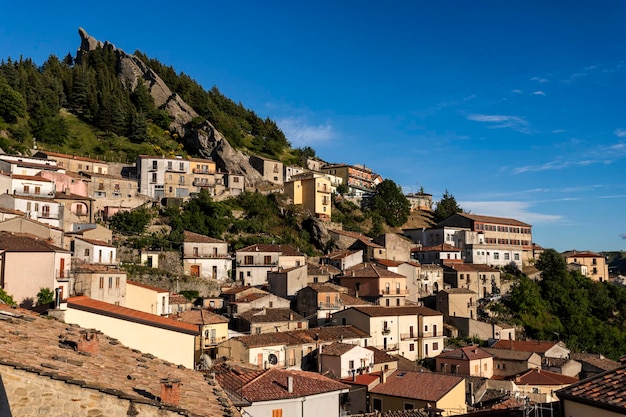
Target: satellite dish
[[272, 359]]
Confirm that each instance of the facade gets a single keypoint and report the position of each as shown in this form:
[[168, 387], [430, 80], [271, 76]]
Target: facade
[[213, 328], [410, 390], [41, 209], [437, 254], [539, 386], [469, 361], [270, 320], [481, 279], [21, 224], [109, 190], [397, 247], [457, 302], [345, 360], [74, 163], [255, 261], [286, 283], [147, 298], [544, 348], [592, 265], [343, 259], [161, 177], [420, 201], [410, 331], [165, 338], [94, 251], [313, 192], [29, 264], [100, 282], [375, 284], [206, 257], [270, 170], [319, 301], [359, 179], [510, 362]]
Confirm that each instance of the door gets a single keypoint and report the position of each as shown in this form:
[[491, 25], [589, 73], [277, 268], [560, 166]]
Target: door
[[195, 270], [62, 268]]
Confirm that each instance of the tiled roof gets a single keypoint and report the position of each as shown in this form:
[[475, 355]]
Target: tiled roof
[[34, 165], [389, 263], [235, 290], [251, 297], [538, 346], [539, 377], [458, 291], [381, 311], [507, 354], [380, 356], [192, 237], [431, 266], [596, 360], [444, 247], [12, 211], [28, 177], [337, 349], [463, 267], [422, 386], [468, 353], [24, 242], [84, 303], [273, 385], [327, 287], [367, 270], [199, 317], [96, 242], [147, 286], [297, 337], [45, 348], [348, 300], [322, 270], [493, 219], [581, 254], [94, 268], [341, 254], [606, 390], [363, 379], [284, 250], [270, 315], [67, 156]]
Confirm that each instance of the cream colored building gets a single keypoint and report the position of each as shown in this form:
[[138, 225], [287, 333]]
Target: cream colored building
[[100, 282], [469, 361], [410, 331], [147, 298], [593, 265], [313, 192], [75, 163], [213, 328], [168, 339], [206, 257]]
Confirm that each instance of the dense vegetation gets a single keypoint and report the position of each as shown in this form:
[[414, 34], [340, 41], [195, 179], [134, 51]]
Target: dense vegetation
[[588, 316]]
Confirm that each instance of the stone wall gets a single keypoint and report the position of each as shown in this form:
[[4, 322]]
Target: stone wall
[[31, 394]]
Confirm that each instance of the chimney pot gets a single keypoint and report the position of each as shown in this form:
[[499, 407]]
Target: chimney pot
[[170, 391], [88, 342]]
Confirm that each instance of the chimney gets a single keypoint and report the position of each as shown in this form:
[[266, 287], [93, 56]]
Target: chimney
[[290, 384], [170, 391], [88, 342], [383, 377]]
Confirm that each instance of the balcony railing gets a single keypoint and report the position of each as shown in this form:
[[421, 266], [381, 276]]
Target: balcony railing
[[41, 194], [212, 341], [386, 330], [273, 263], [203, 171], [330, 305], [407, 336], [390, 347], [202, 183], [63, 274]]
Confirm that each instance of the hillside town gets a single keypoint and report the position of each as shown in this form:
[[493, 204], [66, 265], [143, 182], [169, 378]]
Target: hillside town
[[362, 330]]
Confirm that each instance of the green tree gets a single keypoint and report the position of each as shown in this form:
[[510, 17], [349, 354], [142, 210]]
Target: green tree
[[446, 207], [45, 296], [6, 298], [390, 203], [12, 103], [131, 222]]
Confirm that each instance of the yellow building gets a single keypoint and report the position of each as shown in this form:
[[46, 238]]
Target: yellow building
[[593, 264], [312, 191]]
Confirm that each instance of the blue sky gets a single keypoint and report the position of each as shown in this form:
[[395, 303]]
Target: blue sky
[[517, 108]]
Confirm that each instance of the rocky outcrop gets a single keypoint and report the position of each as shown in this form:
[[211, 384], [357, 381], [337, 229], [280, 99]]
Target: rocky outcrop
[[319, 234], [203, 139]]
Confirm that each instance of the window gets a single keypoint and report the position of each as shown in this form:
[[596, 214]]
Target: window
[[110, 282], [154, 177], [235, 179], [442, 367], [117, 282], [496, 255], [506, 256], [86, 251], [351, 364], [26, 189], [101, 283], [267, 260], [516, 256], [476, 368], [38, 191], [28, 206], [409, 406], [248, 260], [435, 345], [257, 330], [154, 164], [412, 347]]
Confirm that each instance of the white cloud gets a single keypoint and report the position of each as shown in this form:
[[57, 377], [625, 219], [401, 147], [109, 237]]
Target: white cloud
[[555, 165], [620, 133], [302, 133], [540, 80], [538, 93], [623, 235], [519, 210], [516, 91], [498, 121]]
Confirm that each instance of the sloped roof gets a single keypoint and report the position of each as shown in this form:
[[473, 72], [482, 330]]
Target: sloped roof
[[95, 242], [84, 303], [192, 237], [337, 349], [381, 311], [24, 242], [43, 347], [463, 267], [508, 354], [322, 269], [492, 219], [458, 291], [468, 353], [541, 377], [147, 286], [303, 336], [537, 346], [389, 263], [422, 386], [444, 247], [606, 390], [368, 270], [284, 250], [270, 315], [200, 317], [380, 356], [273, 385], [595, 360], [581, 254]]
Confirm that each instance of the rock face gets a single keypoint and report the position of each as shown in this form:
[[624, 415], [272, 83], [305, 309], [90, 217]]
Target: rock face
[[204, 139]]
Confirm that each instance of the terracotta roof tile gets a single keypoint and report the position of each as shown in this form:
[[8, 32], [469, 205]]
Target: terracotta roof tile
[[43, 347], [272, 385], [493, 219], [95, 242], [192, 237], [147, 286], [24, 242], [595, 360], [284, 250], [270, 315], [337, 349], [540, 377], [418, 385], [367, 270], [99, 307], [199, 317], [380, 356], [468, 353], [537, 346], [606, 390], [303, 336], [381, 311]]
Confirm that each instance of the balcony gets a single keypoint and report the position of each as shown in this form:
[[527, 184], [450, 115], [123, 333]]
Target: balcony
[[323, 305], [273, 263], [323, 190], [386, 330], [408, 336], [203, 171], [33, 194], [63, 274], [202, 183], [212, 341], [390, 347]]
